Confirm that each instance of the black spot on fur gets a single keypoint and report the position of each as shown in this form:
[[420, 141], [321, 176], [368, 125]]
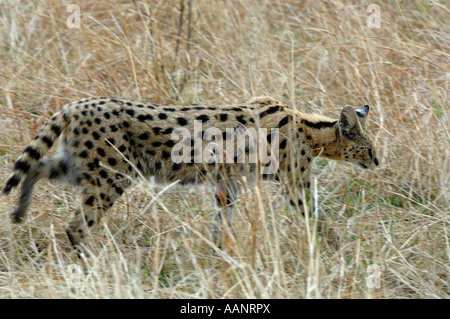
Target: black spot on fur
[[284, 121], [53, 173], [34, 153], [162, 116], [105, 197], [241, 119], [165, 154], [223, 117], [176, 166], [112, 161], [182, 121], [144, 136], [204, 118], [56, 129], [119, 190], [101, 152], [270, 110], [90, 201], [103, 173], [168, 130], [12, 182], [96, 135], [145, 117], [319, 125], [84, 154], [63, 166], [47, 140], [169, 143]]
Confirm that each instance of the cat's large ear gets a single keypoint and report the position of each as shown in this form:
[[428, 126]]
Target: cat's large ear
[[348, 119]]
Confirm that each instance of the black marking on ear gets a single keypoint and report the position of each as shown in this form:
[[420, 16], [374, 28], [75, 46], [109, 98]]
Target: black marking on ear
[[363, 112]]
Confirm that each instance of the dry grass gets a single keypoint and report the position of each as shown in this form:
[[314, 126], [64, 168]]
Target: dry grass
[[317, 55]]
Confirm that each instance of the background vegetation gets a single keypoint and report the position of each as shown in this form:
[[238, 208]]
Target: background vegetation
[[315, 55]]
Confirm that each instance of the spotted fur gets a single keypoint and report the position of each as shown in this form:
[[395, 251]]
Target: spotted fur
[[106, 142]]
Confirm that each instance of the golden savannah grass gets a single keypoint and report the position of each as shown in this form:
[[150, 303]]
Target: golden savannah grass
[[389, 227]]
